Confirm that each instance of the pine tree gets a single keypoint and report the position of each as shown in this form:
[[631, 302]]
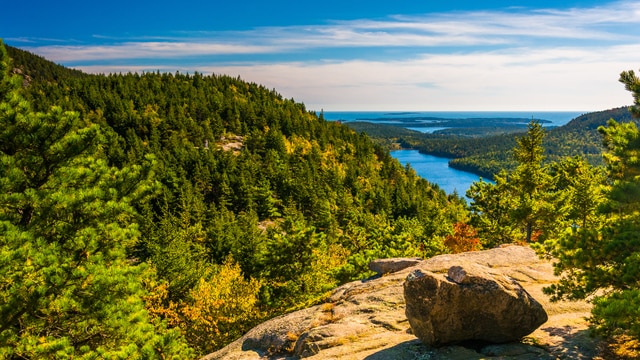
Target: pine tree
[[603, 262], [632, 83], [67, 287], [491, 207], [517, 206]]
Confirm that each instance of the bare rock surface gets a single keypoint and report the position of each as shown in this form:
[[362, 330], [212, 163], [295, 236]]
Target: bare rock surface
[[386, 266], [470, 302], [366, 320]]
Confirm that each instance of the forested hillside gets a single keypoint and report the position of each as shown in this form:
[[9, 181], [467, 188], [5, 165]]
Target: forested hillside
[[31, 66], [579, 137], [487, 155], [230, 204], [162, 215]]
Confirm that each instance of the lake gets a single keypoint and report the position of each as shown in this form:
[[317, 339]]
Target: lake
[[436, 170]]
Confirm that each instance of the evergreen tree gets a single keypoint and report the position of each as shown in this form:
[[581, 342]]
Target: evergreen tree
[[67, 288], [603, 262], [579, 189], [531, 182], [519, 204], [632, 83], [491, 207]]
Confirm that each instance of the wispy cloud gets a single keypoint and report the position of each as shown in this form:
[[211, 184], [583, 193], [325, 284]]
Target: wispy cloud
[[512, 59], [479, 28], [149, 49], [513, 79]]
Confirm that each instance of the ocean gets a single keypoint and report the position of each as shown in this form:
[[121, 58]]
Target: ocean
[[557, 118]]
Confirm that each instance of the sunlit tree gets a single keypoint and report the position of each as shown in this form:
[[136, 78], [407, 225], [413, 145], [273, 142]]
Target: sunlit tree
[[603, 262], [67, 287]]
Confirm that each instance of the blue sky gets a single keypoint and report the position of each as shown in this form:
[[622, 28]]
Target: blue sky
[[356, 55]]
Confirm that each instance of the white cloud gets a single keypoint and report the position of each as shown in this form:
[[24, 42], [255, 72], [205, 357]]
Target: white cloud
[[430, 30], [509, 60], [517, 79], [138, 50]]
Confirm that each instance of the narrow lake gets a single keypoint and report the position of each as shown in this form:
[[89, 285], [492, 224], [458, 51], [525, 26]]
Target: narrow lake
[[436, 170]]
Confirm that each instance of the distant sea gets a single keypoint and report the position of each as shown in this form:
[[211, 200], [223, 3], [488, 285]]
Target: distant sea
[[557, 118]]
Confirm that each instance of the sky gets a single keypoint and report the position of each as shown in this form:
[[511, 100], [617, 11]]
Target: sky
[[401, 55]]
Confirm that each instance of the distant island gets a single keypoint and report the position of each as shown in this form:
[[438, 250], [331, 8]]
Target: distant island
[[400, 113], [430, 121]]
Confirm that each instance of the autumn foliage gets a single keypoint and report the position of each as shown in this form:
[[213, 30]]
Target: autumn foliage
[[464, 238]]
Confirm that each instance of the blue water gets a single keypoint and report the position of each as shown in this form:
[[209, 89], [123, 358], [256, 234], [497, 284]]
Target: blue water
[[557, 118], [427, 130], [436, 170]]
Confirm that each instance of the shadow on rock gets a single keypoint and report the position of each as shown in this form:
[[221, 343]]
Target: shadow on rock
[[571, 343], [413, 349], [469, 350]]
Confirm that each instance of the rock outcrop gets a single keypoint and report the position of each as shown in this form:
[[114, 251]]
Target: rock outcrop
[[470, 302], [387, 266], [366, 320]]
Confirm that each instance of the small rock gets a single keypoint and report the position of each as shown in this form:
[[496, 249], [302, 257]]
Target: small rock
[[515, 350], [457, 274]]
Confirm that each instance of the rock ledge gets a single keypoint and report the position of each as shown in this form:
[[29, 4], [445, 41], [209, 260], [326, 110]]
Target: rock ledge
[[366, 319]]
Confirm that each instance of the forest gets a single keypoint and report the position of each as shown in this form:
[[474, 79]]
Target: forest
[[161, 215]]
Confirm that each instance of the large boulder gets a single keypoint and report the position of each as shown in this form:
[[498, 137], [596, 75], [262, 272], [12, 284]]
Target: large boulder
[[469, 302]]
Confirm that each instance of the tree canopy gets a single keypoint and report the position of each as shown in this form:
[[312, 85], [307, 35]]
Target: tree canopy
[[187, 192], [600, 260], [67, 286]]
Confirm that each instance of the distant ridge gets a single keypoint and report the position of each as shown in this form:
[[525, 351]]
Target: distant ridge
[[38, 68]]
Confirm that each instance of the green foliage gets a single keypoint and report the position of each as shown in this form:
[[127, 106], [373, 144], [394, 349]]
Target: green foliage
[[299, 203], [519, 207], [617, 314], [579, 191], [604, 255], [219, 308], [67, 288], [536, 201], [603, 258], [491, 207], [32, 66], [288, 255], [632, 83], [376, 237], [530, 183]]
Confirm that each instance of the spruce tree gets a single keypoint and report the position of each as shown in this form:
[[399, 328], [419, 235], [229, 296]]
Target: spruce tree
[[531, 183]]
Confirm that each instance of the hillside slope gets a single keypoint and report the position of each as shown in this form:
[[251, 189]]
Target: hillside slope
[[257, 204]]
